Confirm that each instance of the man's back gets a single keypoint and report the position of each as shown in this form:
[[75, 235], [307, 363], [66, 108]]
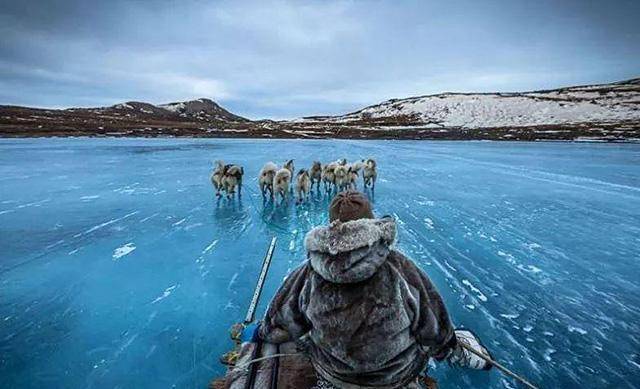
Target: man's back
[[373, 317], [363, 331]]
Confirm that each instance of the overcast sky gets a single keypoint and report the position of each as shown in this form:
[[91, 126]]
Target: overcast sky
[[287, 59]]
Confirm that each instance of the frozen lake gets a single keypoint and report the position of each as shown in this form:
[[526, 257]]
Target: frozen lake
[[118, 268]]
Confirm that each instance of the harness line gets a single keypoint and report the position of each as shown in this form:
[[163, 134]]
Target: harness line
[[498, 366], [249, 362]]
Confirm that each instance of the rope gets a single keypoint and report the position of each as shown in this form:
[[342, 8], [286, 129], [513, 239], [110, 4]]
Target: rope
[[499, 366], [249, 362], [265, 218]]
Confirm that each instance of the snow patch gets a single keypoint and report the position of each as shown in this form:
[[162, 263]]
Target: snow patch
[[123, 250], [179, 222], [429, 223], [210, 247], [107, 223], [232, 281], [547, 354], [167, 292], [579, 330], [175, 107], [475, 290], [532, 246]]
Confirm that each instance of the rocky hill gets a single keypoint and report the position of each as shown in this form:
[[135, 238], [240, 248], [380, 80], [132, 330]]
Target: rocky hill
[[609, 112], [132, 118], [203, 109]]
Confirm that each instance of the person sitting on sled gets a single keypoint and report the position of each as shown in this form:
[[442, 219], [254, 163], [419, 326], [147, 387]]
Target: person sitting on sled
[[365, 313]]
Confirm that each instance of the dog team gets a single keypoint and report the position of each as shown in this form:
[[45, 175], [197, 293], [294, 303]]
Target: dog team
[[277, 181]]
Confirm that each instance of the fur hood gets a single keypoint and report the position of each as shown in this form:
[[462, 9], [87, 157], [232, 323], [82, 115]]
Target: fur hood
[[350, 252]]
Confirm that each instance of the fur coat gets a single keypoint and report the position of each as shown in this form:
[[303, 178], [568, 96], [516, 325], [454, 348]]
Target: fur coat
[[370, 317]]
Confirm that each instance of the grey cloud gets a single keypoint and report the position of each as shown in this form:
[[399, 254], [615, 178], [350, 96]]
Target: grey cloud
[[283, 59]]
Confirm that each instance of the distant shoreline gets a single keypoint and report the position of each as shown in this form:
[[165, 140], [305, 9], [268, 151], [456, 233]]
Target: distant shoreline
[[597, 113], [600, 140]]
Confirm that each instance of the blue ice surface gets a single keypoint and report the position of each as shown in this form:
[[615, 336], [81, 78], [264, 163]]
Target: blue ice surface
[[119, 268]]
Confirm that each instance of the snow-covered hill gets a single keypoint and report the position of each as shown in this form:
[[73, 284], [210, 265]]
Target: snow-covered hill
[[607, 103]]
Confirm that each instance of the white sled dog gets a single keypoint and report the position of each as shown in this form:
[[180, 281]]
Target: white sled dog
[[265, 180], [357, 166], [292, 169], [342, 178], [216, 177], [370, 173], [316, 174], [328, 176], [353, 171], [303, 185], [281, 183], [232, 179]]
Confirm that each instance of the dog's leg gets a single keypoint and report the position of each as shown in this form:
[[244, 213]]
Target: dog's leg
[[230, 192]]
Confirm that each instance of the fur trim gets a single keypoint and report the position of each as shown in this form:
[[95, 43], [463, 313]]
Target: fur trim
[[353, 266], [341, 237]]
